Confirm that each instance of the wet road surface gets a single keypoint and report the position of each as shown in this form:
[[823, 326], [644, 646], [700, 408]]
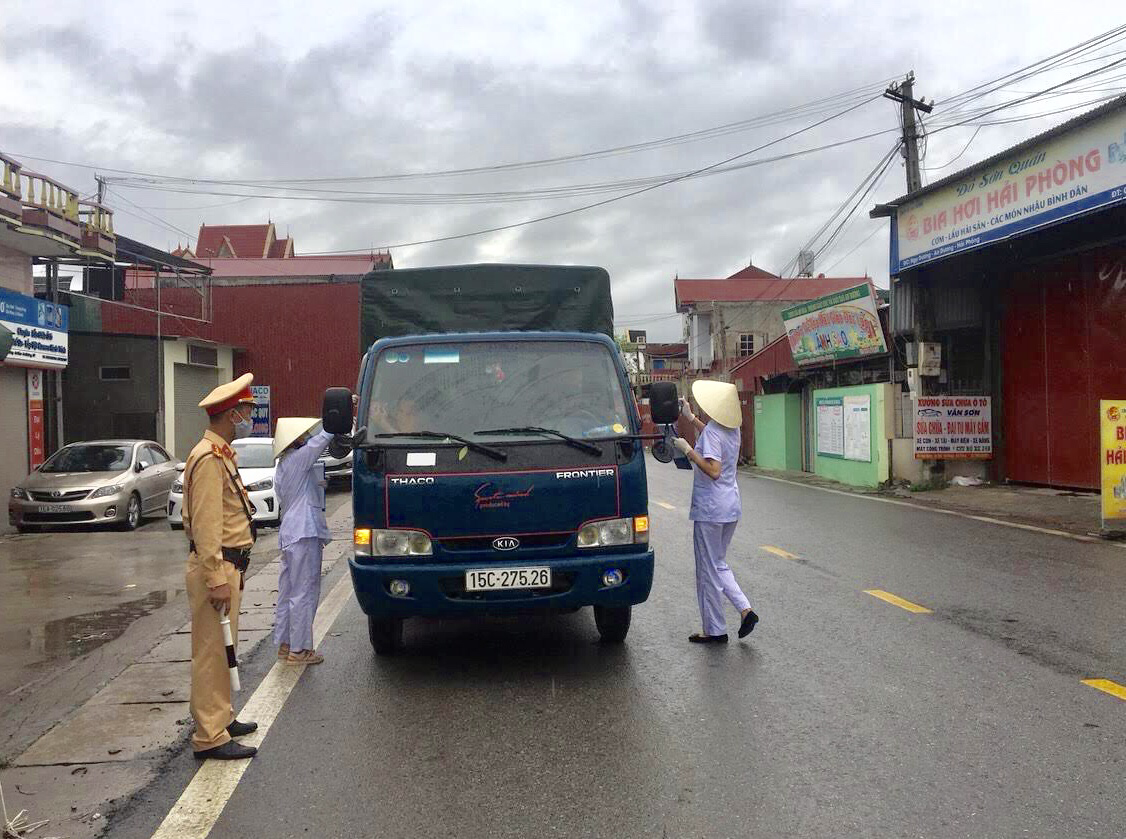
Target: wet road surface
[[946, 702]]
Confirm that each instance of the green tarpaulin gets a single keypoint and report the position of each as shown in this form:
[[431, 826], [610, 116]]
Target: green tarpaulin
[[484, 298]]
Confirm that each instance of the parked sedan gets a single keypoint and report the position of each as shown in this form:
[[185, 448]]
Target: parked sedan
[[97, 482], [256, 468]]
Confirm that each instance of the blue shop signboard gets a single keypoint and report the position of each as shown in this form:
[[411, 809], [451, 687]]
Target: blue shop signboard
[[39, 331]]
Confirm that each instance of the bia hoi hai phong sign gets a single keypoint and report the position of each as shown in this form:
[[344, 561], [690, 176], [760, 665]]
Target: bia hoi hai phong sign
[[841, 325]]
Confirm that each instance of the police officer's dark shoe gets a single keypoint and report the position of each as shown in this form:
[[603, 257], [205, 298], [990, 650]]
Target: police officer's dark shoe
[[228, 751], [241, 729]]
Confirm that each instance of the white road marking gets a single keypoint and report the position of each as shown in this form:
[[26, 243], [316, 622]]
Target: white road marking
[[987, 519], [201, 804]]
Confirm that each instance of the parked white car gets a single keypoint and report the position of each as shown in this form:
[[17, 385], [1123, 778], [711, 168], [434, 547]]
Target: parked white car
[[256, 466]]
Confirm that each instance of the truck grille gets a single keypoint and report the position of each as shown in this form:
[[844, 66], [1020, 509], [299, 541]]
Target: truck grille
[[485, 543]]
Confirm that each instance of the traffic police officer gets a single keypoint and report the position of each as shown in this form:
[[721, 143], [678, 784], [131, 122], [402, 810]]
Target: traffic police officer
[[218, 523]]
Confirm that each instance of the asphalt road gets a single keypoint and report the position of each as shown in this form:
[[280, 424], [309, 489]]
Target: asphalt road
[[842, 715]]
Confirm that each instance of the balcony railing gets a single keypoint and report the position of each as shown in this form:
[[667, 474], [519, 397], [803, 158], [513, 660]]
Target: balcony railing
[[11, 208], [98, 238], [50, 207]]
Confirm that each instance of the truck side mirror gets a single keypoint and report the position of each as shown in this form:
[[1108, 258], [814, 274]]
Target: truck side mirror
[[664, 404], [336, 414]]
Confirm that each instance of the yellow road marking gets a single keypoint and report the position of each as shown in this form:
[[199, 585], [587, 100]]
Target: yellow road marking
[[770, 549], [888, 597], [1107, 686], [664, 504]]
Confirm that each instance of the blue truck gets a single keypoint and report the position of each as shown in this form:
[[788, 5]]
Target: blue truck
[[498, 463]]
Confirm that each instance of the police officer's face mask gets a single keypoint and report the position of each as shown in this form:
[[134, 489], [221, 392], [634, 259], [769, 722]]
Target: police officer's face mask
[[243, 425]]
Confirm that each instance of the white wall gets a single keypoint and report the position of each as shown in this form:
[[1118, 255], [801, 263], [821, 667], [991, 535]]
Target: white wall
[[176, 352]]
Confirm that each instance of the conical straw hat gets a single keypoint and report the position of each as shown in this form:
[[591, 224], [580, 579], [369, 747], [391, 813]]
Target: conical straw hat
[[720, 401], [289, 429]]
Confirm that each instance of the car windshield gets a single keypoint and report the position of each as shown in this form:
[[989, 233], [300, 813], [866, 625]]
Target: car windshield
[[256, 455], [466, 388], [90, 458]]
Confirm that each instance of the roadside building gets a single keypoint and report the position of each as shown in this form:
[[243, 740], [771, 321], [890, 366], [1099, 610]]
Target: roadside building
[[43, 224], [1009, 291]]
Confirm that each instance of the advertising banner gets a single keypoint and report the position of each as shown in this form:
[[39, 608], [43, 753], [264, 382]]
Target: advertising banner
[[841, 325], [1064, 176], [1112, 451], [39, 331], [953, 428], [36, 431], [260, 413]]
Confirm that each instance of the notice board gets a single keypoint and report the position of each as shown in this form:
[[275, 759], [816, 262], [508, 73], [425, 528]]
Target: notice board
[[844, 427]]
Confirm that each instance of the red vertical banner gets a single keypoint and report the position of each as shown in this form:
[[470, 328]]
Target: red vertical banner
[[36, 444]]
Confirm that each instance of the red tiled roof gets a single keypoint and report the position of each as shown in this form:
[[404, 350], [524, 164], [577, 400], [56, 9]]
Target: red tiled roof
[[280, 249], [248, 241], [666, 350], [750, 290], [752, 272]]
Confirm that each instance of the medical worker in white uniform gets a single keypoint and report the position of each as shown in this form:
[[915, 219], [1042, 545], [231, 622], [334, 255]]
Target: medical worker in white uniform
[[302, 536], [716, 506]]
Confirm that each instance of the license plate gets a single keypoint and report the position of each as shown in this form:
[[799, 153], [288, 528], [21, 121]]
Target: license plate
[[494, 579], [56, 508]]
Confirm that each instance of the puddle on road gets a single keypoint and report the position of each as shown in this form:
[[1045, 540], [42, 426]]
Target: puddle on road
[[77, 635]]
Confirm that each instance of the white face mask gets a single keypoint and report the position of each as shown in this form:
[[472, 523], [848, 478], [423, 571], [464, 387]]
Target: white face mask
[[243, 427]]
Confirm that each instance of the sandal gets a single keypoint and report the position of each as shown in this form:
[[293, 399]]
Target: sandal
[[305, 657], [283, 652]]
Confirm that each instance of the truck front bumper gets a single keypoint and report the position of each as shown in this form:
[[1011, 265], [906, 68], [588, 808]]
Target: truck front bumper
[[438, 588]]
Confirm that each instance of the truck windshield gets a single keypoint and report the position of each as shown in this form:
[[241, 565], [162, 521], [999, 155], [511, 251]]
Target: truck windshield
[[570, 387]]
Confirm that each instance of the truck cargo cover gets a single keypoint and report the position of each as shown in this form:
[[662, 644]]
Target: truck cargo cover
[[480, 298]]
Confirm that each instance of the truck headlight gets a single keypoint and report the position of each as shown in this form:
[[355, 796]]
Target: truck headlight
[[261, 486], [603, 534], [106, 492], [391, 543], [20, 494]]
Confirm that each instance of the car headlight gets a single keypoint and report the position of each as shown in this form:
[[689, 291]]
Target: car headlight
[[391, 543], [104, 492], [20, 494], [178, 486], [261, 486], [603, 534]]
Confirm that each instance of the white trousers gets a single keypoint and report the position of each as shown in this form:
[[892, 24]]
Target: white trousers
[[299, 592], [714, 579]]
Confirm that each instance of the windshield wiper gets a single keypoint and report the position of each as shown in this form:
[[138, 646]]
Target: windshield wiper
[[535, 429], [495, 454]]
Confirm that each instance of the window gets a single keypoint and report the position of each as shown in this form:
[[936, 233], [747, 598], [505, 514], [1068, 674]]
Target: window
[[116, 374], [156, 454], [747, 344], [87, 457], [205, 356]]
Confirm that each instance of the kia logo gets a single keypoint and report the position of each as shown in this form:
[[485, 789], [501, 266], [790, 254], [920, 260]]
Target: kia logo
[[506, 543]]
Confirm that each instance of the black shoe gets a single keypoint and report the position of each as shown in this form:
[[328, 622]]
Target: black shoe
[[241, 729], [228, 751], [708, 639], [748, 624]]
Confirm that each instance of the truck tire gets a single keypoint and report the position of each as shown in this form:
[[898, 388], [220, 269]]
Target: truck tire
[[612, 623], [386, 635]]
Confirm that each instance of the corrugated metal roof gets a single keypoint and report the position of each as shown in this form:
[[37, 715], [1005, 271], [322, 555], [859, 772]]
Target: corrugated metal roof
[[310, 266]]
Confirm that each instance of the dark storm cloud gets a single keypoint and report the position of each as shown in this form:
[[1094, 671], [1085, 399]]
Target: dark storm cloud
[[375, 104]]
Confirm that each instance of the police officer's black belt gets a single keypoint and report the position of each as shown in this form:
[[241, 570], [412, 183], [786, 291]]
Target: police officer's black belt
[[238, 557]]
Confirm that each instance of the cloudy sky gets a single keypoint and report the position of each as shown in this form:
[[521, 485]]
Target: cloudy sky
[[255, 92]]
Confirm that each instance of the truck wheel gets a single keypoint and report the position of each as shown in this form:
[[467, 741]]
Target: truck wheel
[[612, 623], [386, 635]]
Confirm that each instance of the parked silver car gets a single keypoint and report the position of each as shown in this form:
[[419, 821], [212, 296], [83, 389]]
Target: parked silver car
[[96, 482]]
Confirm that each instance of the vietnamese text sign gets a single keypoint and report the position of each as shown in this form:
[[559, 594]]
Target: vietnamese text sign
[[830, 426], [841, 325], [1043, 184], [39, 331], [953, 428], [858, 428], [36, 431], [1112, 434], [260, 413]]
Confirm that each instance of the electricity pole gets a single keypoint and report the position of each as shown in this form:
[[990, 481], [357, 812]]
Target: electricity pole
[[904, 94]]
